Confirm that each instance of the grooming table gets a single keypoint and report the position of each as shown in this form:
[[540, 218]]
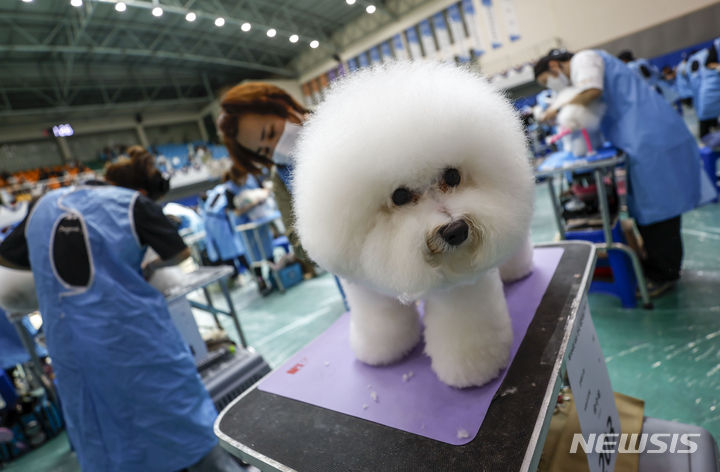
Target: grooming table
[[225, 374], [277, 433], [604, 160], [252, 230], [200, 279]]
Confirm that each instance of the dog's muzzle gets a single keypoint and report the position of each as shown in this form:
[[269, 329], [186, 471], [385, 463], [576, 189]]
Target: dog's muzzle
[[446, 238], [454, 233]]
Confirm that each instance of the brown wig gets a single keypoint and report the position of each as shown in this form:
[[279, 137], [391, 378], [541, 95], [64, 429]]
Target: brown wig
[[133, 171], [252, 97]]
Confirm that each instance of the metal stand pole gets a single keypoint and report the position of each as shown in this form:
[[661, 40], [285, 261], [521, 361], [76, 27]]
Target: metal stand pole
[[265, 257], [556, 207], [231, 308], [609, 244]]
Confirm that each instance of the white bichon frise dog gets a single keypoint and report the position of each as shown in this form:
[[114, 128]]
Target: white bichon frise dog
[[413, 182]]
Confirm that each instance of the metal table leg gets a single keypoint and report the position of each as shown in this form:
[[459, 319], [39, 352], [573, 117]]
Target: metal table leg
[[265, 257], [210, 302], [610, 244], [556, 207], [251, 264], [231, 309], [29, 345]]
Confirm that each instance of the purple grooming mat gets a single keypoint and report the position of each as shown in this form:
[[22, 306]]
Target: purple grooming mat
[[406, 395]]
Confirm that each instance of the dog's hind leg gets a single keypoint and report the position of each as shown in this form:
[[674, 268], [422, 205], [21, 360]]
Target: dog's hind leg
[[382, 330]]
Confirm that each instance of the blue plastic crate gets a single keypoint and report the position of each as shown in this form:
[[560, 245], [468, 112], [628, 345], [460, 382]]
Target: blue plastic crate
[[290, 275]]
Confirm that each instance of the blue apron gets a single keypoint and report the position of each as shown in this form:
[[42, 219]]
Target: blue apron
[[261, 213], [682, 81], [669, 90], [694, 77], [222, 241], [708, 106], [131, 395], [654, 75], [663, 158]]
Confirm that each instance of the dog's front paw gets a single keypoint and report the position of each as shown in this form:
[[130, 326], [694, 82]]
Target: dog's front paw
[[471, 360], [382, 330], [384, 346], [468, 333]]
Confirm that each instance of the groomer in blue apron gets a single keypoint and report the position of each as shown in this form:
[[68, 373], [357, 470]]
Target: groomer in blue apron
[[663, 159], [682, 81], [132, 398], [707, 87], [223, 243]]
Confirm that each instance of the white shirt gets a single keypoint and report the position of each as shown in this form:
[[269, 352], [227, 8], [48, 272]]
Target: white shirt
[[587, 70]]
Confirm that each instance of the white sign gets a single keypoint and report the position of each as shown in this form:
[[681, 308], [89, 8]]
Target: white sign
[[593, 394]]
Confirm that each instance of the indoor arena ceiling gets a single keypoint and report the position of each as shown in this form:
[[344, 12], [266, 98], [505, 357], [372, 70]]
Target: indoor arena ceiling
[[106, 54]]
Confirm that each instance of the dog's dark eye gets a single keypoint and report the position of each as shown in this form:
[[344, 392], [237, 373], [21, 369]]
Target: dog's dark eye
[[451, 177], [401, 196]]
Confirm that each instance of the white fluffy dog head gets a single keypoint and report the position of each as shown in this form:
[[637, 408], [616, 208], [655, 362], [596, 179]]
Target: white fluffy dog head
[[412, 176]]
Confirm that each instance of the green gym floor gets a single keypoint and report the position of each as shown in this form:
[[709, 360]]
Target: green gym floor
[[669, 356]]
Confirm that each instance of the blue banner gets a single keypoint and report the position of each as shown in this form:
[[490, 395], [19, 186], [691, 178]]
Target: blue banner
[[375, 55]]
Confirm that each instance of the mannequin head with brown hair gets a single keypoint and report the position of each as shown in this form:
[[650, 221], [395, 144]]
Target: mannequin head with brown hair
[[137, 171], [252, 120]]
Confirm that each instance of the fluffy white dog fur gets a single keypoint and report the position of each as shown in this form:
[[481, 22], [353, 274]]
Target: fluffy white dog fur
[[578, 117], [403, 126]]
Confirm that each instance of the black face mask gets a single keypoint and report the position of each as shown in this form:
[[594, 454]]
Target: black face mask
[[158, 186]]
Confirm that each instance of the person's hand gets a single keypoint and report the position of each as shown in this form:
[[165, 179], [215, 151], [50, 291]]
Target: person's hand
[[148, 269], [549, 115]]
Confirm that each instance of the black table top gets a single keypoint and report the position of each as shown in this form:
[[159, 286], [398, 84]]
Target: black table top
[[278, 433]]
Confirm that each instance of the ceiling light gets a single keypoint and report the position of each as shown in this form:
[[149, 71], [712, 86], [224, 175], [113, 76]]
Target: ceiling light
[[157, 11], [190, 17], [27, 1], [294, 38], [314, 43], [245, 27], [76, 3], [220, 21], [120, 6], [271, 33], [350, 2], [370, 9]]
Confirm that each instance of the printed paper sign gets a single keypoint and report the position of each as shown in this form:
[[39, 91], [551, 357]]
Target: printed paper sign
[[593, 394], [508, 8], [471, 20], [462, 49], [491, 23]]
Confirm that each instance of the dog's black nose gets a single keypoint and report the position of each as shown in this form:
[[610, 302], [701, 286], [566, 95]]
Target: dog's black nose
[[454, 233]]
